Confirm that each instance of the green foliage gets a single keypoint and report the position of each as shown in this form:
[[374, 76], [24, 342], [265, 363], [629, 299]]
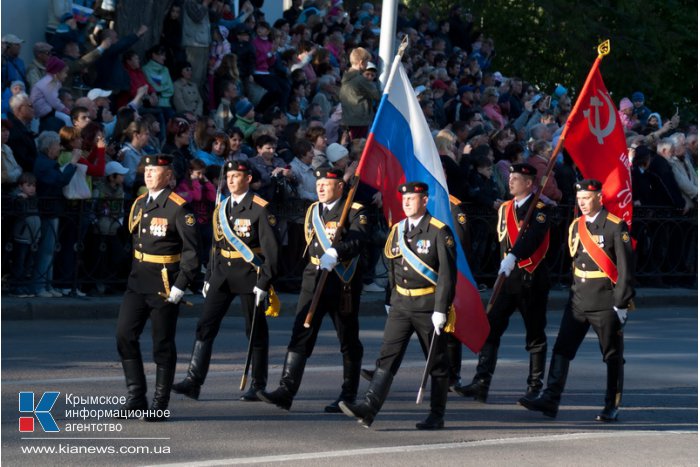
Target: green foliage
[[653, 45]]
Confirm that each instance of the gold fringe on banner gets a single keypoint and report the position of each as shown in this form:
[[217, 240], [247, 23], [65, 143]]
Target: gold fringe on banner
[[451, 320], [273, 310]]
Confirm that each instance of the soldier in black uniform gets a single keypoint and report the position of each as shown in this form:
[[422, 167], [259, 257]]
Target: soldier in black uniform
[[165, 261], [419, 303], [340, 297], [600, 296], [526, 286], [245, 262], [454, 345]]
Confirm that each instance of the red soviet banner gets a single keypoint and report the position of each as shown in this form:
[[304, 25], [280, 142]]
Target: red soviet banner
[[596, 143]]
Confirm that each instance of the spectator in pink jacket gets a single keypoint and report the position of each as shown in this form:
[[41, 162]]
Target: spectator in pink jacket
[[626, 113], [44, 95], [539, 159], [201, 194], [265, 73], [490, 107]]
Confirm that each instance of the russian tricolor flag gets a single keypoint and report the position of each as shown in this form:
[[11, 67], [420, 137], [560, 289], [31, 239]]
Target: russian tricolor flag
[[400, 148]]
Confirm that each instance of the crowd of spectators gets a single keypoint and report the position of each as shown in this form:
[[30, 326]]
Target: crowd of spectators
[[289, 94]]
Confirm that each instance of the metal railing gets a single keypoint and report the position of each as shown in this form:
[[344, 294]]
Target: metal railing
[[95, 250]]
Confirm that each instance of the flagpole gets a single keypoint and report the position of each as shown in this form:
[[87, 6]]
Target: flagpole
[[394, 69], [603, 50], [348, 202]]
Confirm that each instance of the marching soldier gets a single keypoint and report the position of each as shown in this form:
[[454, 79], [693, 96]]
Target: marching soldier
[[526, 286], [165, 261], [341, 295], [454, 345], [601, 294], [422, 277], [244, 264]]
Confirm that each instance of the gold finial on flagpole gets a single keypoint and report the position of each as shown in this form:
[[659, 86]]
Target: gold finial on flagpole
[[403, 46], [604, 48]]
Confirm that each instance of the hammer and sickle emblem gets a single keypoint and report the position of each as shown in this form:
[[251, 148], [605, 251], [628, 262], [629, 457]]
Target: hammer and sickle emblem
[[595, 125]]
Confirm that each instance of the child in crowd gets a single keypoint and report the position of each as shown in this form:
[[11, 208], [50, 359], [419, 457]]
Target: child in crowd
[[26, 234], [245, 118]]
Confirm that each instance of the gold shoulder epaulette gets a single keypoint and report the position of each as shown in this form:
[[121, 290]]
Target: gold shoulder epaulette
[[455, 200], [613, 218], [388, 246], [135, 219], [540, 205], [177, 199], [437, 223], [308, 225], [259, 201], [357, 206], [573, 237], [218, 233]]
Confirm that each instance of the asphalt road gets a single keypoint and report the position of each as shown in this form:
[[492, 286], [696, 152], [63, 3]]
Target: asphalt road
[[658, 424]]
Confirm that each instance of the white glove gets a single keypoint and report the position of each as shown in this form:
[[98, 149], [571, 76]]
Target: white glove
[[621, 314], [205, 289], [260, 295], [329, 259], [507, 264], [439, 320], [387, 308], [176, 295]]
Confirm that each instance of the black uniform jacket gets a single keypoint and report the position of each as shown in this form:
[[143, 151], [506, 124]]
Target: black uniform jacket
[[351, 242], [459, 220], [251, 221], [610, 232], [166, 227], [434, 243], [526, 245]]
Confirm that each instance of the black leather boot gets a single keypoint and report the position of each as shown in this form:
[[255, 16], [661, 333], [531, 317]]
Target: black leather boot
[[548, 401], [136, 387], [613, 392], [259, 373], [438, 400], [161, 397], [351, 379], [367, 374], [454, 360], [479, 387], [535, 379], [290, 381], [374, 399], [197, 372]]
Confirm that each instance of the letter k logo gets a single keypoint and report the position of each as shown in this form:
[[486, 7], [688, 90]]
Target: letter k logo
[[42, 411]]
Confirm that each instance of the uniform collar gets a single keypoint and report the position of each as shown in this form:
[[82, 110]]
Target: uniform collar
[[414, 222], [239, 199], [520, 203], [418, 225], [598, 219], [331, 205], [592, 219], [155, 195]]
